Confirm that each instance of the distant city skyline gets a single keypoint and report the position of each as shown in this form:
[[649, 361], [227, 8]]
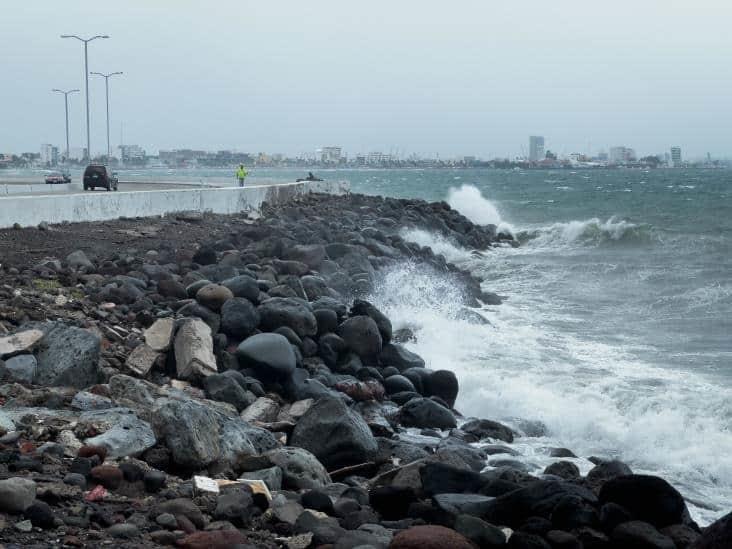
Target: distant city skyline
[[400, 78]]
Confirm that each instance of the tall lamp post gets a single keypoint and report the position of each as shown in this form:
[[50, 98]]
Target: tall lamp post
[[66, 102], [106, 83], [86, 78]]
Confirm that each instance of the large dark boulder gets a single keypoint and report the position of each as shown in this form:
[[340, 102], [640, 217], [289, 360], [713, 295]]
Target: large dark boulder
[[361, 307], [239, 318], [205, 255], [478, 531], [392, 502], [362, 336], [573, 512], [640, 535], [243, 286], [485, 428], [394, 354], [334, 434], [606, 470], [443, 384], [441, 478], [537, 499], [330, 346], [563, 469], [314, 287], [235, 505], [524, 540], [327, 320], [312, 255], [716, 535], [66, 356], [425, 413], [397, 384], [270, 354], [647, 498], [290, 312]]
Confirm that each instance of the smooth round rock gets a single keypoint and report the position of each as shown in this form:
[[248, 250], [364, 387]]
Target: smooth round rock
[[213, 296]]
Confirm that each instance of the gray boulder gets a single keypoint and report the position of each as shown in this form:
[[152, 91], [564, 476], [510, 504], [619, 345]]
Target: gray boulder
[[334, 434], [227, 389], [16, 494], [300, 469], [271, 476], [291, 312], [84, 400], [130, 436], [270, 354], [78, 260], [67, 356], [6, 423], [239, 318], [190, 431], [361, 335], [21, 368], [314, 287]]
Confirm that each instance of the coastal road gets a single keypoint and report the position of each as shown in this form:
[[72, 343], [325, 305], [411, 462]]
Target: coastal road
[[18, 188]]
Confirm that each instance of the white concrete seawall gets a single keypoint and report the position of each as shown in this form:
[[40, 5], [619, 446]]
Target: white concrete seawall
[[29, 211], [41, 188]]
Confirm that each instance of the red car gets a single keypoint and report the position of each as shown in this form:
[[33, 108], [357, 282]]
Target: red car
[[57, 177]]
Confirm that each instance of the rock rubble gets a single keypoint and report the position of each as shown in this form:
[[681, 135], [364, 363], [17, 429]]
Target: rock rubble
[[242, 391]]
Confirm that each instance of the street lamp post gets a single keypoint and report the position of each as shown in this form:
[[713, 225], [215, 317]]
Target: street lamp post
[[66, 102], [106, 83], [86, 78]]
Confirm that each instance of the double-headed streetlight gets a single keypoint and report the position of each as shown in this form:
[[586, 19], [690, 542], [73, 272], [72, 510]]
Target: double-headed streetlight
[[86, 78], [106, 83], [66, 102]]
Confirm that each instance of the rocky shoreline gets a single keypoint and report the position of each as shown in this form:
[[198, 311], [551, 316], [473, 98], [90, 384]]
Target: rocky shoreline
[[223, 381]]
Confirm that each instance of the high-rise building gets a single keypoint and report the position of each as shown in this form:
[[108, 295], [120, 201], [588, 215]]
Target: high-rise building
[[676, 157], [622, 155], [49, 154], [330, 155], [536, 148], [131, 153]]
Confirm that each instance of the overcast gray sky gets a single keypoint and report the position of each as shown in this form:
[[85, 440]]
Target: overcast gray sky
[[459, 77]]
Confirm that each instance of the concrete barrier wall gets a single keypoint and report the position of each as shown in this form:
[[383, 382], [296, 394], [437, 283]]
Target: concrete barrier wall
[[33, 188], [29, 211]]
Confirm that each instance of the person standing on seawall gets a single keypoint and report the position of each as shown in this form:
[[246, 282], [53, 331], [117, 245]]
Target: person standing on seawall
[[241, 174]]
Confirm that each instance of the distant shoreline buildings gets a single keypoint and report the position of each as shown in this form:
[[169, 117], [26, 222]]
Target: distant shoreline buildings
[[333, 156]]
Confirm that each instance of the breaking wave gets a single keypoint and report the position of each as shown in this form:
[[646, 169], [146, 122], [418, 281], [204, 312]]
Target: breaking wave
[[590, 232], [468, 200]]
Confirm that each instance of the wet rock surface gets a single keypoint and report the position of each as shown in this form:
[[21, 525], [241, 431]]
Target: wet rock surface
[[227, 382]]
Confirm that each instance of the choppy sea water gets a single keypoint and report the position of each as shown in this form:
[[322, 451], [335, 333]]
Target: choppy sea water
[[615, 338]]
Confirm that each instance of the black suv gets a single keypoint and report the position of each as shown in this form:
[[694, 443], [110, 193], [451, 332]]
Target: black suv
[[96, 175]]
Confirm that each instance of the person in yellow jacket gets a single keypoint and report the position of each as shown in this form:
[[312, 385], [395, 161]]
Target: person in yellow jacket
[[241, 174]]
